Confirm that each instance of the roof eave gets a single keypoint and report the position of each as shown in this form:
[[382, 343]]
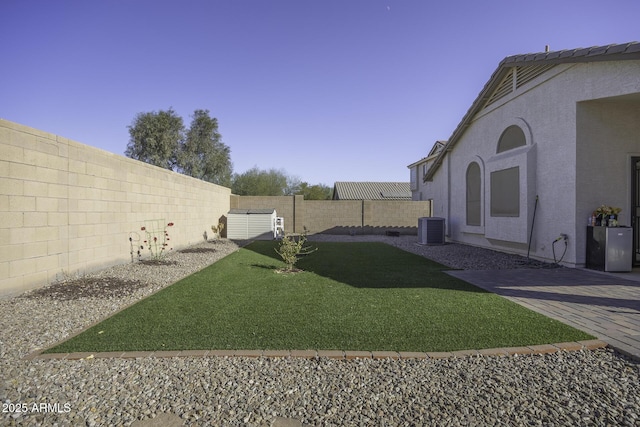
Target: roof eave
[[626, 51], [422, 160], [477, 104]]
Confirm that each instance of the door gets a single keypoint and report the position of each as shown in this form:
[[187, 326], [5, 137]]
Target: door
[[635, 208]]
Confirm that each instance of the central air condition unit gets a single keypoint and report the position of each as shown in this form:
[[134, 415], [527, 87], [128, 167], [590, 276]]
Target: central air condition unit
[[431, 231]]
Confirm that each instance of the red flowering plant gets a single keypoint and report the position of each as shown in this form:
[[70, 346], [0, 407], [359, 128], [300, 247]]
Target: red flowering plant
[[157, 238]]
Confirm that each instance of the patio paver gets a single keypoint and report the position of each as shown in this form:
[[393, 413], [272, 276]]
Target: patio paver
[[604, 305]]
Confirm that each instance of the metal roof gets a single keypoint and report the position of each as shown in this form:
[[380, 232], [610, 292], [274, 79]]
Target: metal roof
[[612, 52], [371, 191]]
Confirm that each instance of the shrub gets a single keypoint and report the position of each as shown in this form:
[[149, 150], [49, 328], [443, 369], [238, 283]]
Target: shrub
[[291, 248], [157, 238], [217, 230]]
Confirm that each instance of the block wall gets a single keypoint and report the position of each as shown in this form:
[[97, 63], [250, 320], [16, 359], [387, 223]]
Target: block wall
[[332, 216], [340, 216], [69, 208], [396, 213], [284, 206]]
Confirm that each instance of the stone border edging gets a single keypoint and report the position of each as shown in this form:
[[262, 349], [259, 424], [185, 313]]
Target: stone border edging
[[332, 354]]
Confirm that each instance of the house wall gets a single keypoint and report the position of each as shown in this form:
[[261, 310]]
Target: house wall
[[68, 208], [608, 137], [546, 111], [413, 182], [340, 216], [417, 173], [416, 176]]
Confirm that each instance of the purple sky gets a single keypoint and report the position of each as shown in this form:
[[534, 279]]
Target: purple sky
[[329, 90]]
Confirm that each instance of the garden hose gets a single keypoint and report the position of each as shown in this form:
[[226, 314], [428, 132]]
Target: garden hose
[[553, 248]]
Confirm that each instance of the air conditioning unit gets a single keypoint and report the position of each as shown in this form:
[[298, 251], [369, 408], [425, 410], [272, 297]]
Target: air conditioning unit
[[431, 231]]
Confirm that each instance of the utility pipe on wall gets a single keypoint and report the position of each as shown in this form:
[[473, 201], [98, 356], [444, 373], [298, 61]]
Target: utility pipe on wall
[[533, 221]]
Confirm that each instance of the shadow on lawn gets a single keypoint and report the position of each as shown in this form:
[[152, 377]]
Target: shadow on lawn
[[265, 266], [369, 265]]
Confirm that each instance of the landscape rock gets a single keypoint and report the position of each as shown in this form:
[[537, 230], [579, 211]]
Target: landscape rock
[[584, 387]]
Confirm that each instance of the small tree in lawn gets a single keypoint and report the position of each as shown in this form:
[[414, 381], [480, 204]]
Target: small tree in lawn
[[291, 249]]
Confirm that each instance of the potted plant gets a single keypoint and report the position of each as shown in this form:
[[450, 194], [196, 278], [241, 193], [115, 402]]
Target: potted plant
[[606, 215]]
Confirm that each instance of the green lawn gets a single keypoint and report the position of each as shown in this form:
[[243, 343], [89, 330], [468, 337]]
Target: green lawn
[[351, 296]]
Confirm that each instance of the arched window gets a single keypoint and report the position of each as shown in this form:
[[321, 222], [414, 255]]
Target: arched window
[[474, 188], [511, 138]]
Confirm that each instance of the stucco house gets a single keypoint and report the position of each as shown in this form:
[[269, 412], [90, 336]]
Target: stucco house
[[419, 170], [550, 137]]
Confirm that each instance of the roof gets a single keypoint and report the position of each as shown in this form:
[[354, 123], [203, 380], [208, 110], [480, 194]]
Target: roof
[[435, 150], [613, 52], [371, 191], [251, 211]]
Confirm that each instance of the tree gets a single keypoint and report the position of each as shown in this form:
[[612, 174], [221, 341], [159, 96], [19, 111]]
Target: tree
[[315, 192], [293, 186], [202, 154], [257, 182], [276, 182], [155, 138]]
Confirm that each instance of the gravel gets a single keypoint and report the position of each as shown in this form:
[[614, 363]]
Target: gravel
[[565, 388], [453, 255]]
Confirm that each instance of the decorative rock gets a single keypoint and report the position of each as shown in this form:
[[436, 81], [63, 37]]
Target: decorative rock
[[596, 387]]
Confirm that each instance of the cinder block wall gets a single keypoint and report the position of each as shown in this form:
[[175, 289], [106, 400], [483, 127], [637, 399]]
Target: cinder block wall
[[395, 213], [69, 208], [332, 216], [340, 216], [284, 206]]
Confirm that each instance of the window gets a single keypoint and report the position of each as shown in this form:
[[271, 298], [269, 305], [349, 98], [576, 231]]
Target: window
[[474, 188], [505, 192], [511, 138]]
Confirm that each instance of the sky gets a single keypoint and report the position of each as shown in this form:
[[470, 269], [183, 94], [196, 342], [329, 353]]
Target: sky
[[326, 90]]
